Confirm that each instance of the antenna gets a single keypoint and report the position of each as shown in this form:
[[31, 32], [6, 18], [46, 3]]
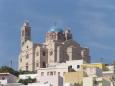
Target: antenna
[[11, 63]]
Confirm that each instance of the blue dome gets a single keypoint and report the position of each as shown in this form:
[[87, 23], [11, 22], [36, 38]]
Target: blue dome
[[55, 29]]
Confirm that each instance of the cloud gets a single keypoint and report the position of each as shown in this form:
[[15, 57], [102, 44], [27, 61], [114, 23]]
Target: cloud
[[95, 17], [99, 29], [101, 46]]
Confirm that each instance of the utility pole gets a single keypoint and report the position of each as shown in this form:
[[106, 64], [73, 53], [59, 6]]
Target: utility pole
[[113, 76], [11, 63], [114, 68]]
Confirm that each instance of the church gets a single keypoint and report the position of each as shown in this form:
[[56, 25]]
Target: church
[[59, 47]]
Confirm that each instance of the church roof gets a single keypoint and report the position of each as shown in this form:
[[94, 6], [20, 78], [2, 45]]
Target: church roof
[[55, 29]]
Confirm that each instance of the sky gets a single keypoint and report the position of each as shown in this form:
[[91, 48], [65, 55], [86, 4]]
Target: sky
[[91, 22]]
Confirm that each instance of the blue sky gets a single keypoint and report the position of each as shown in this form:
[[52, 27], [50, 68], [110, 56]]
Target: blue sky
[[91, 22]]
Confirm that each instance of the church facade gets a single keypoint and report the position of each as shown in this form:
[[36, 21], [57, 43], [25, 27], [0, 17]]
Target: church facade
[[58, 47]]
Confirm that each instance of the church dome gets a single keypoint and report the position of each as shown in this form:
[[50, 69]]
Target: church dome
[[55, 29]]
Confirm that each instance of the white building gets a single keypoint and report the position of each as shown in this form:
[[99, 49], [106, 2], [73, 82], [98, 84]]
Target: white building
[[26, 76], [60, 68], [6, 78]]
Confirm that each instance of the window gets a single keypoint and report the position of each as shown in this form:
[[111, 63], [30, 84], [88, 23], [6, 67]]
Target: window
[[44, 65], [43, 53], [26, 66], [78, 66], [51, 52], [28, 33], [3, 78], [21, 60], [37, 53], [47, 73], [70, 68], [58, 73], [42, 73], [27, 56], [51, 73], [37, 64], [54, 72], [23, 33], [22, 43]]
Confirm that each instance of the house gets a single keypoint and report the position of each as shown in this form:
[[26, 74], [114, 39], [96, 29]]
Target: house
[[6, 78]]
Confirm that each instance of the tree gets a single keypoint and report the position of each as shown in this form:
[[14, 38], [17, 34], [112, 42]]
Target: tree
[[26, 72], [5, 69], [76, 84], [26, 81]]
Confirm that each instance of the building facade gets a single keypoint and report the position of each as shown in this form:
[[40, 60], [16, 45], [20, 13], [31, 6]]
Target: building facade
[[58, 47], [6, 78]]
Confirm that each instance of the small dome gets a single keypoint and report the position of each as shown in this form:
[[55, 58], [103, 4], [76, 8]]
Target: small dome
[[26, 23], [55, 29]]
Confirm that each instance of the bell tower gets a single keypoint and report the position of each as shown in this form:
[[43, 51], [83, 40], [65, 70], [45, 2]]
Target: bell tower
[[25, 32]]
